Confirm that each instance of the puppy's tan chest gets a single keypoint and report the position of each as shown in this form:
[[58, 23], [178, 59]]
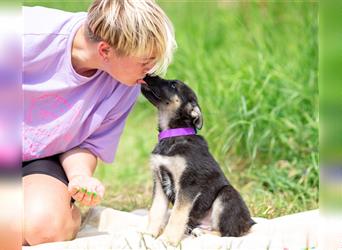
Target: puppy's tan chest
[[174, 164]]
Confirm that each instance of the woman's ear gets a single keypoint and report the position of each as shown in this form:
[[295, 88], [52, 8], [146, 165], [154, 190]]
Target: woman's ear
[[104, 50]]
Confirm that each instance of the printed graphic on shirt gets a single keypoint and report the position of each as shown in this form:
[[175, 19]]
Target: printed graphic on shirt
[[55, 116]]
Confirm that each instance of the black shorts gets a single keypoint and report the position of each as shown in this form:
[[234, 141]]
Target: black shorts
[[49, 166]]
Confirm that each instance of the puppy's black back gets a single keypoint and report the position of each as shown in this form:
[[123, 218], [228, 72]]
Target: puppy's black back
[[202, 170]]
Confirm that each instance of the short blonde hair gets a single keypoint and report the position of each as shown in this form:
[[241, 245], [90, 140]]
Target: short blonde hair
[[133, 28]]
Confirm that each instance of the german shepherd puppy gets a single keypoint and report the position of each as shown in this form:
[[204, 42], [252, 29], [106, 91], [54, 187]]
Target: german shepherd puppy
[[185, 173]]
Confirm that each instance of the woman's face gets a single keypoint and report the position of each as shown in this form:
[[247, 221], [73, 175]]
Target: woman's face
[[128, 69]]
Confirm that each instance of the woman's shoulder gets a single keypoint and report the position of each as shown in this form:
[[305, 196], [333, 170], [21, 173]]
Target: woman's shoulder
[[42, 20]]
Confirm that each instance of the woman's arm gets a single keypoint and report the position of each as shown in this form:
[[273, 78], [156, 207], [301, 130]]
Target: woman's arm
[[79, 166], [78, 161]]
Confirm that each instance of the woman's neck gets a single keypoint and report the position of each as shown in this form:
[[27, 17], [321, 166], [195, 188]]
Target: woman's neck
[[82, 54]]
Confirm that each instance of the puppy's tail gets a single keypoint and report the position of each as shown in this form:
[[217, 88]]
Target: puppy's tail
[[230, 215]]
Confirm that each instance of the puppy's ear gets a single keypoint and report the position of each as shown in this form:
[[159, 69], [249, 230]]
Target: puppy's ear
[[196, 115]]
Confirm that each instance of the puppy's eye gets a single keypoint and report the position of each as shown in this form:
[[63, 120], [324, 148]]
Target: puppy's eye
[[173, 86]]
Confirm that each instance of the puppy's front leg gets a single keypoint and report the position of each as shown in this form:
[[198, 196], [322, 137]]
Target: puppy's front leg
[[178, 220], [158, 209]]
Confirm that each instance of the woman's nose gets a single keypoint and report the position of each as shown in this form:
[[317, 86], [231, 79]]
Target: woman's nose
[[145, 71], [148, 67]]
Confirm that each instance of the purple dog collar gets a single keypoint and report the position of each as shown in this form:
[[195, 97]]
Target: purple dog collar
[[176, 132]]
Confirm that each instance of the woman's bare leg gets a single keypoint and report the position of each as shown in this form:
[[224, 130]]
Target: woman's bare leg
[[48, 214]]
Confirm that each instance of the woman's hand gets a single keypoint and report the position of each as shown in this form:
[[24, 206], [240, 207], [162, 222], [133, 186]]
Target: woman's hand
[[79, 165], [87, 190]]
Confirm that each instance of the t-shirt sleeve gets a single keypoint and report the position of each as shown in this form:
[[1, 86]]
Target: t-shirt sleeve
[[104, 141]]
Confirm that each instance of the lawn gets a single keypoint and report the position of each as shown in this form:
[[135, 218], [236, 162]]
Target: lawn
[[254, 68]]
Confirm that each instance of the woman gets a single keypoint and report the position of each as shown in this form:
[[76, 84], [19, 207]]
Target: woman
[[81, 78]]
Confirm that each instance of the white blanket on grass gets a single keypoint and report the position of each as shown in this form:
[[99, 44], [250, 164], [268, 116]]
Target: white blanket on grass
[[106, 228]]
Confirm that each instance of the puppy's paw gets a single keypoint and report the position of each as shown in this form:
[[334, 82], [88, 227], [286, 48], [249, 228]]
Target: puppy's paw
[[197, 232], [169, 240], [152, 231]]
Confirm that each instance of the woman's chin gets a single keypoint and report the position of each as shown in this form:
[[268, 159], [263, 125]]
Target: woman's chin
[[129, 83]]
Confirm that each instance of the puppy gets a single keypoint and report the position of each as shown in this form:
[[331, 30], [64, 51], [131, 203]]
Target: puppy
[[184, 171]]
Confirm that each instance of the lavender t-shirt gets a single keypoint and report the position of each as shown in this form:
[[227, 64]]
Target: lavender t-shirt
[[63, 109]]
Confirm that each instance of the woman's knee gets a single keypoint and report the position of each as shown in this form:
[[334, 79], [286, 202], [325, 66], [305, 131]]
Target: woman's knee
[[48, 216], [43, 224]]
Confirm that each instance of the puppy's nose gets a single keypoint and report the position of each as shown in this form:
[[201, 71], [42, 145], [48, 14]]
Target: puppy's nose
[[147, 77], [150, 78]]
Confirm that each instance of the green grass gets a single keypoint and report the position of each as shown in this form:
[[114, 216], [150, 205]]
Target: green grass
[[254, 69]]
